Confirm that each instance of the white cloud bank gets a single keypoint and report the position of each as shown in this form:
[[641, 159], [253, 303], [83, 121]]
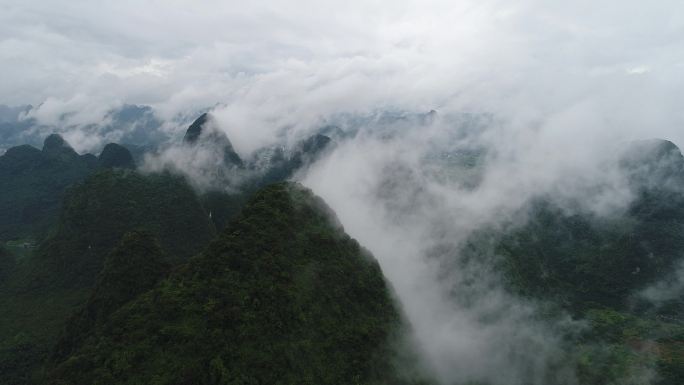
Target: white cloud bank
[[274, 64]]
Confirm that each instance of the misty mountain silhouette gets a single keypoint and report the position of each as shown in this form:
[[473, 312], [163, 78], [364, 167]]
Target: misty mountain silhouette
[[204, 133], [116, 156]]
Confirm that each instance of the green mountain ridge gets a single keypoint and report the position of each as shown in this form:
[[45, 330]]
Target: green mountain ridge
[[44, 288], [282, 296]]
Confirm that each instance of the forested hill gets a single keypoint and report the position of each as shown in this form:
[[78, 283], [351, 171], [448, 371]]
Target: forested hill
[[282, 296]]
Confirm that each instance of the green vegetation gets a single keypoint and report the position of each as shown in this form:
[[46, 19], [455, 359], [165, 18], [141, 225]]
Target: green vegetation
[[203, 132], [33, 183], [7, 262], [50, 283], [283, 296], [133, 267], [98, 212], [580, 260], [223, 207], [621, 348]]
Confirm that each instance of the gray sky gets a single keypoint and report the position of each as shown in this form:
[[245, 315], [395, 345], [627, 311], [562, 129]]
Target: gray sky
[[609, 66]]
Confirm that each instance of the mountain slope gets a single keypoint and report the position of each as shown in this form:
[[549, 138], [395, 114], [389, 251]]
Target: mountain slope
[[6, 264], [135, 265], [268, 165], [99, 211], [583, 259], [596, 268], [33, 182], [283, 296], [45, 287]]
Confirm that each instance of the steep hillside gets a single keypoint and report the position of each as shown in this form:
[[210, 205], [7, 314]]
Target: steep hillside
[[282, 296], [135, 265]]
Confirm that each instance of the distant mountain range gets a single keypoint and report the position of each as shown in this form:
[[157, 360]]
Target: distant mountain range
[[129, 124]]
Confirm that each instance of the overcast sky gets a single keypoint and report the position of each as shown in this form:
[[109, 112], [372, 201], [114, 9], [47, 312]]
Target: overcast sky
[[612, 66]]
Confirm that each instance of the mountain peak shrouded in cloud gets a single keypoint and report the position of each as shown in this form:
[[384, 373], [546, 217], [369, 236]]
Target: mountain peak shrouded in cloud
[[195, 130], [204, 133], [655, 163]]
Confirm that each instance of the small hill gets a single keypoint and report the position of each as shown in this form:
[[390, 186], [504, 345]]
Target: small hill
[[48, 286], [116, 156]]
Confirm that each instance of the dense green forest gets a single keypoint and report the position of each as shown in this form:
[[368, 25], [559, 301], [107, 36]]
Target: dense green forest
[[282, 296], [47, 285]]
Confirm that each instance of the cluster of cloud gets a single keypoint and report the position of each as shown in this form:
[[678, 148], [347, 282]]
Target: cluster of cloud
[[596, 65]]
